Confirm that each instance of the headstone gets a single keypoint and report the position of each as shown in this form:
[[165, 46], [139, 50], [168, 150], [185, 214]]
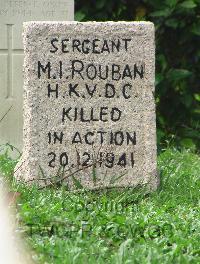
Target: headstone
[[12, 15], [89, 106]]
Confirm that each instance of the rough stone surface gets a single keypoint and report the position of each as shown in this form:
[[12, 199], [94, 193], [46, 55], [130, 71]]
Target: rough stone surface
[[12, 15], [93, 82]]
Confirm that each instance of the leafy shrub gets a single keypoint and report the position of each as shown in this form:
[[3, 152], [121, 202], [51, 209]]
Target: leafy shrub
[[177, 59]]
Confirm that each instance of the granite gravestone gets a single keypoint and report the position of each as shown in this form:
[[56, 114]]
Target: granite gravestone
[[89, 108], [12, 15]]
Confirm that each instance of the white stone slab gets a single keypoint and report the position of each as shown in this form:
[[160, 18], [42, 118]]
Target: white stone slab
[[100, 128], [12, 15]]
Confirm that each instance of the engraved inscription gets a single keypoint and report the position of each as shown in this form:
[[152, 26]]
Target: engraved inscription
[[89, 109]]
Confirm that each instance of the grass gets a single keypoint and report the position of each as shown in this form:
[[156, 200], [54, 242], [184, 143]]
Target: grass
[[115, 226]]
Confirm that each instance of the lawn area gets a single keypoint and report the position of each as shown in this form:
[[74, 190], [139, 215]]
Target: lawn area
[[126, 226]]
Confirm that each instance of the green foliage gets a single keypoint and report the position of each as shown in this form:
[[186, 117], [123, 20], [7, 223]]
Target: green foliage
[[7, 163], [177, 61], [128, 226]]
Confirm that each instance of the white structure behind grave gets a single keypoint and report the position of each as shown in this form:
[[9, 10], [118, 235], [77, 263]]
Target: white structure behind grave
[[12, 15]]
